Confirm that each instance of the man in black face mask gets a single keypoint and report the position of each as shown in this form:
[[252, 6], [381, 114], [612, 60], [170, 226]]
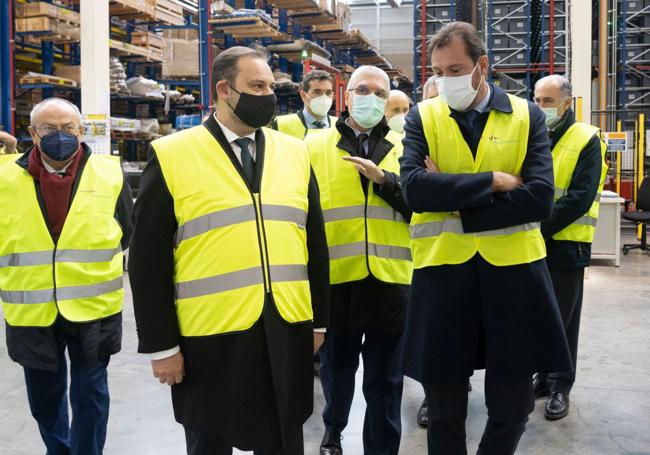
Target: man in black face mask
[[229, 213], [66, 217]]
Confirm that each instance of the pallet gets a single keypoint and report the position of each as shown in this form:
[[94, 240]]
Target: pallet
[[295, 4], [169, 12], [129, 50], [132, 9], [37, 78], [313, 17], [37, 9], [250, 26], [148, 40]]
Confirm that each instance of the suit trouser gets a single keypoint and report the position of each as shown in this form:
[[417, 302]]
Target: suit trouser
[[569, 288], [204, 444], [508, 403], [47, 393], [382, 386]]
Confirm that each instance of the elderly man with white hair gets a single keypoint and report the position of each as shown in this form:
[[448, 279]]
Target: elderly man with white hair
[[579, 170], [430, 89], [366, 221], [66, 217]]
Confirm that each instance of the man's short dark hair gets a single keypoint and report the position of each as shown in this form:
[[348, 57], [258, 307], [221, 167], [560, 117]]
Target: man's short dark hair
[[465, 32], [316, 75], [225, 65]]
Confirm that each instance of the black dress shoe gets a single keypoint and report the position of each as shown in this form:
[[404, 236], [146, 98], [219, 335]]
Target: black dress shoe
[[540, 389], [557, 406], [423, 414], [331, 444]]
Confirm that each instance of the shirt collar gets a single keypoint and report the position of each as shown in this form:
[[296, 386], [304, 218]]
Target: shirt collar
[[357, 133], [310, 119], [484, 105], [229, 135]]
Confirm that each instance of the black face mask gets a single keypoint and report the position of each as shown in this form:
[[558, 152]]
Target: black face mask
[[255, 110]]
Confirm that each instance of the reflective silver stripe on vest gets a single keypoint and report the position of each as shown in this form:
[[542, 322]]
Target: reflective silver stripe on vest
[[598, 196], [284, 213], [359, 211], [45, 257], [586, 221], [64, 293], [359, 249], [87, 255], [455, 226], [239, 279], [236, 215], [26, 259], [344, 213], [214, 220]]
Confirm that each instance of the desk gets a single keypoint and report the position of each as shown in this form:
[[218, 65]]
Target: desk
[[607, 241]]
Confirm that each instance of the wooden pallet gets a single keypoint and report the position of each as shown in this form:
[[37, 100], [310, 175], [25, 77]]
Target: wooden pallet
[[169, 12], [312, 17], [148, 40], [130, 50], [251, 26], [37, 9], [133, 9], [37, 78], [295, 4]]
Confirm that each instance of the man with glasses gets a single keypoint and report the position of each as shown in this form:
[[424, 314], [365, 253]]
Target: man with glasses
[[366, 222], [66, 217], [317, 93], [478, 174]]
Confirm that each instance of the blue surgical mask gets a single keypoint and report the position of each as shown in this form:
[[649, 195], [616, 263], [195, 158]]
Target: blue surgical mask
[[59, 145], [367, 110]]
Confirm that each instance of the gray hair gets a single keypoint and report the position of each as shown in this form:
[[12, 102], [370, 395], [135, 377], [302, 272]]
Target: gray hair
[[368, 70], [562, 83], [61, 102], [428, 84]]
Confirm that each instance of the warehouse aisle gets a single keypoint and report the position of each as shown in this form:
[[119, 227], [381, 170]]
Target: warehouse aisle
[[610, 404]]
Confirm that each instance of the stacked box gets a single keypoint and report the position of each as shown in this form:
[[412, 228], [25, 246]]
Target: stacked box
[[37, 9], [69, 72], [180, 58]]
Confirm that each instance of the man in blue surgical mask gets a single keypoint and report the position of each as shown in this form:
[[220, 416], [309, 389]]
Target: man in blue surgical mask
[[66, 217], [478, 174], [366, 222]]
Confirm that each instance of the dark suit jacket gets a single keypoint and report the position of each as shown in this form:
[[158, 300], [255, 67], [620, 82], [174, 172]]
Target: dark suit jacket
[[247, 388]]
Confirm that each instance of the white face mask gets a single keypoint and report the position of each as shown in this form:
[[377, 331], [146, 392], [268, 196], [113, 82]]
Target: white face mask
[[458, 92], [396, 123], [321, 106]]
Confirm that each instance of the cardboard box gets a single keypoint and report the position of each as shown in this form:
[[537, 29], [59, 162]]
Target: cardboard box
[[180, 58], [69, 72], [47, 24], [187, 34]]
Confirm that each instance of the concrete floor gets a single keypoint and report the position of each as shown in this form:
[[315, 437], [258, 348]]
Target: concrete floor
[[610, 411]]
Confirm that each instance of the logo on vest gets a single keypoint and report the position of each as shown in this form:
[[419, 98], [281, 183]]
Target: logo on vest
[[498, 141], [93, 193]]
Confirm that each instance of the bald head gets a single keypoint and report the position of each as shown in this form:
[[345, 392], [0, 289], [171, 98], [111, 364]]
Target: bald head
[[398, 103]]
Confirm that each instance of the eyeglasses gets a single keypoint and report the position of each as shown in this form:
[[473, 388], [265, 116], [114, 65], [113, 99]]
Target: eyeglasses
[[49, 129], [364, 90]]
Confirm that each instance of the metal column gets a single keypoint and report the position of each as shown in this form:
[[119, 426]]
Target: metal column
[[6, 65], [205, 65]]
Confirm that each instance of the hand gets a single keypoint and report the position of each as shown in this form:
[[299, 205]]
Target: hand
[[430, 166], [368, 169], [8, 141], [319, 339], [502, 182], [169, 371]]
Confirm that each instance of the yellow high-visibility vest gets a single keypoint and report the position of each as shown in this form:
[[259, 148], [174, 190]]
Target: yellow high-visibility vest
[[365, 235], [292, 125], [438, 237], [81, 276], [234, 246], [565, 156]]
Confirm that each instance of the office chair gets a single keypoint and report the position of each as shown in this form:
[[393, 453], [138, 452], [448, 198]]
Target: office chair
[[640, 216]]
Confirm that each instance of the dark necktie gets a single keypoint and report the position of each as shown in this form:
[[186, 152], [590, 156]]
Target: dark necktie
[[361, 140], [247, 163], [319, 125], [470, 119]]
